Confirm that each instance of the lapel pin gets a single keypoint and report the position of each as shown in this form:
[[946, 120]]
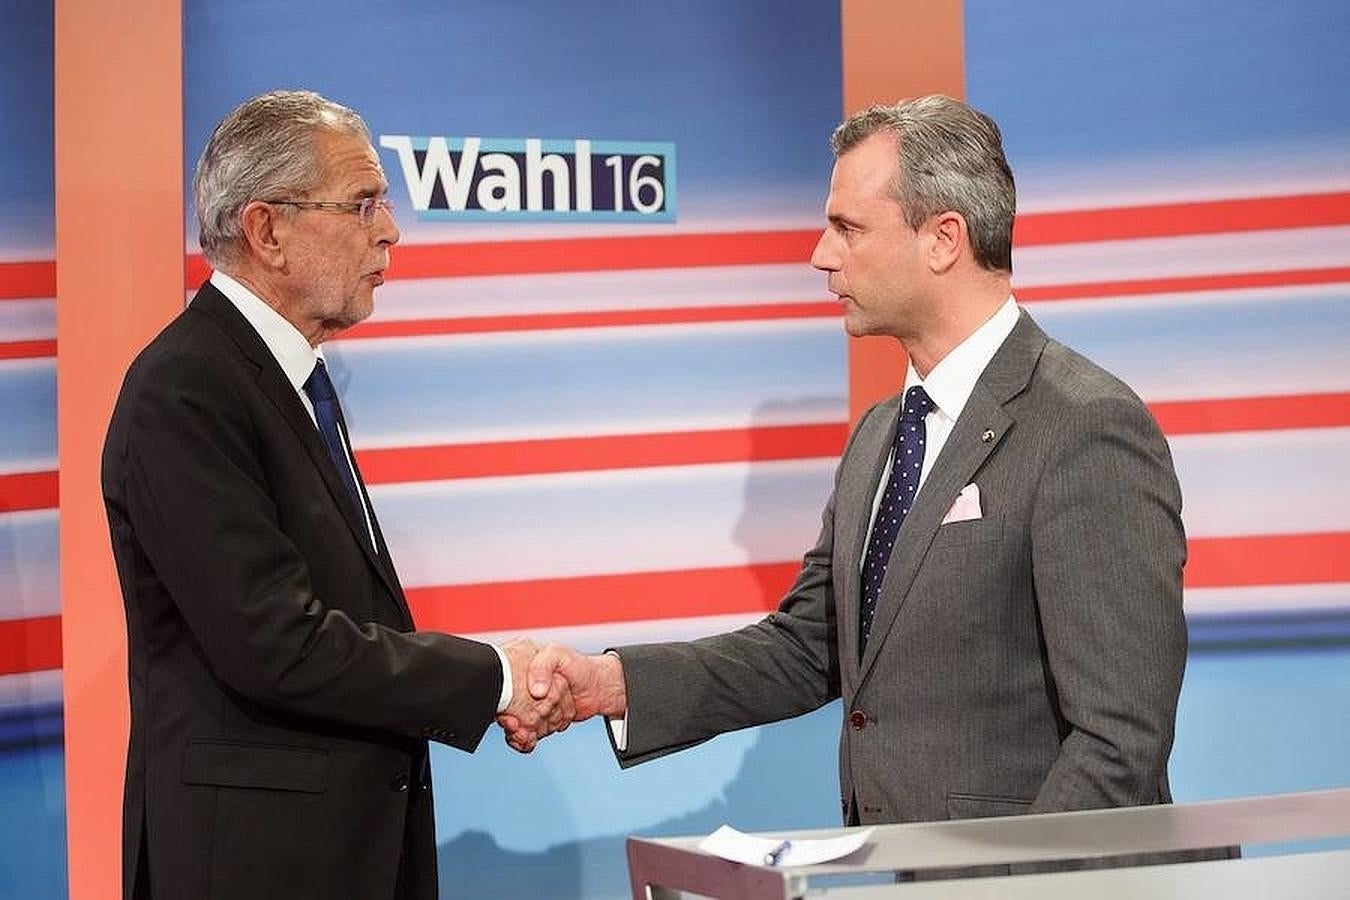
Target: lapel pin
[[987, 436]]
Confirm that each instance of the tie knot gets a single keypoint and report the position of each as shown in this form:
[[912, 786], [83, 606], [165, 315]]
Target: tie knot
[[318, 385], [917, 404]]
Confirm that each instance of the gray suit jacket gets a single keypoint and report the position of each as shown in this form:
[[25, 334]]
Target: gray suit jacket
[[1026, 661]]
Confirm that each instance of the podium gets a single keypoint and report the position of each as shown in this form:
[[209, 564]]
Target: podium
[[667, 868]]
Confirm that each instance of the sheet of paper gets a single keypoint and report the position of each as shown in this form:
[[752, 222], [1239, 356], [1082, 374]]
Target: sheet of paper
[[755, 850]]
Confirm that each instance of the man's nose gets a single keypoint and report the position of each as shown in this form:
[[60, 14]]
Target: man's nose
[[385, 228], [825, 257]]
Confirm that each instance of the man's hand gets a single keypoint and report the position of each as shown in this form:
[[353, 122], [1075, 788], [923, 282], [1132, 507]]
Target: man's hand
[[596, 683], [531, 716]]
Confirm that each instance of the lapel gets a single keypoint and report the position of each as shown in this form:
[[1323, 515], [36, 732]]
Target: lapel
[[278, 390], [854, 497], [966, 450]]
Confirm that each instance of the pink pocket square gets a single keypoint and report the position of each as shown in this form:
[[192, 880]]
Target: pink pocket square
[[966, 507]]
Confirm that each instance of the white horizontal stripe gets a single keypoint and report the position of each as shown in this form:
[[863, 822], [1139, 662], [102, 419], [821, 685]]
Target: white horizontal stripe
[[1264, 482], [27, 320], [30, 576], [588, 382], [1268, 598], [1279, 167], [593, 523], [567, 336], [26, 464], [1203, 254], [596, 638], [513, 295], [1299, 598], [30, 689], [1256, 342]]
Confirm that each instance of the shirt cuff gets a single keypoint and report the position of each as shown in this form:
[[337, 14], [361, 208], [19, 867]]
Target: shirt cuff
[[618, 728], [508, 690]]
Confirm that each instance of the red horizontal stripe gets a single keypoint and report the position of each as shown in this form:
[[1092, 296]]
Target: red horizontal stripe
[[679, 448], [593, 319], [1252, 413], [776, 311], [1313, 558], [27, 279], [761, 247], [27, 349], [1181, 284], [394, 465], [28, 490], [592, 599], [586, 600], [30, 645], [1177, 219], [589, 254]]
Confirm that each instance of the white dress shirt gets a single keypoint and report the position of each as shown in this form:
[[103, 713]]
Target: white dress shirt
[[297, 359], [949, 386]]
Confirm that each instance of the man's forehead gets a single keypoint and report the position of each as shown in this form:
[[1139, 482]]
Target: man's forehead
[[349, 158], [864, 172]]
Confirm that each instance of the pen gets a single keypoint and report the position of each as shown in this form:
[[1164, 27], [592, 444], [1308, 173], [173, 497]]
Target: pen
[[773, 856]]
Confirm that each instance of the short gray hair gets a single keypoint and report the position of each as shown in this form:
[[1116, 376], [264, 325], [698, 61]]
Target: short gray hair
[[951, 160], [264, 149]]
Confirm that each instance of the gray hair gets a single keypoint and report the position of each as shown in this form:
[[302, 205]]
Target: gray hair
[[264, 149], [951, 160]]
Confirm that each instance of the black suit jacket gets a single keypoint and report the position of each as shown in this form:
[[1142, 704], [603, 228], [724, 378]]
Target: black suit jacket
[[280, 703]]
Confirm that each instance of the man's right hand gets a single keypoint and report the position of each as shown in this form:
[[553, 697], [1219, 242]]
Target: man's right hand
[[596, 683], [529, 717]]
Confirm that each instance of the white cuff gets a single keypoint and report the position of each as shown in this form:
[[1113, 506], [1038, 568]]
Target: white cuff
[[618, 728], [508, 689]]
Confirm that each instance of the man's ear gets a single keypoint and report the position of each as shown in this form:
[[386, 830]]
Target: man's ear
[[949, 238], [263, 229]]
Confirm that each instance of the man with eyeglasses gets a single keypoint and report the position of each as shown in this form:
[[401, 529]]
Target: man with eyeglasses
[[281, 698]]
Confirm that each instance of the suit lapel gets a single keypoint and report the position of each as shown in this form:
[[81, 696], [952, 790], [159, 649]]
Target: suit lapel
[[975, 436], [858, 485], [279, 391]]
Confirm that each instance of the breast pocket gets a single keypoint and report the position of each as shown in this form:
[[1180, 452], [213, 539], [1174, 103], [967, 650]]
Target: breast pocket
[[957, 536]]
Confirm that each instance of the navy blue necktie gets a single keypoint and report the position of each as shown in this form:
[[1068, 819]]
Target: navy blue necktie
[[328, 415], [896, 501]]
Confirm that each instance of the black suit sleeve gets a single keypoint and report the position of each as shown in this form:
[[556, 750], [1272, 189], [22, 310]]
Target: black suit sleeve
[[196, 482]]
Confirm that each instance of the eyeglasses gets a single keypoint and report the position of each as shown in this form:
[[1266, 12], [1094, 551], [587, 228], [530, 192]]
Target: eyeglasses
[[364, 208]]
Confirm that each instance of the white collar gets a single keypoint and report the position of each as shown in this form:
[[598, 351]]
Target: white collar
[[952, 380], [293, 353]]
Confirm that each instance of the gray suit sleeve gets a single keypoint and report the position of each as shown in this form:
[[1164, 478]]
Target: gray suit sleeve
[[1107, 554], [681, 694]]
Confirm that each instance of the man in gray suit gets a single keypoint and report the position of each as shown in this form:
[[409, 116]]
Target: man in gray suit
[[996, 591]]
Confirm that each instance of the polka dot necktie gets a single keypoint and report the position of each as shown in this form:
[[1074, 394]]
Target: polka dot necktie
[[896, 501]]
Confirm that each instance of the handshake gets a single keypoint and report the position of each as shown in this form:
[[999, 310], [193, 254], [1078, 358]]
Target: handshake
[[554, 686]]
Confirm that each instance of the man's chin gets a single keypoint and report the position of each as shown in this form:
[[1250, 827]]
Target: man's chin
[[855, 328]]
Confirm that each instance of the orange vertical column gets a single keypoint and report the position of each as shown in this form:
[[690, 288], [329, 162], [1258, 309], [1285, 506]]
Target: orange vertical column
[[119, 278], [894, 49]]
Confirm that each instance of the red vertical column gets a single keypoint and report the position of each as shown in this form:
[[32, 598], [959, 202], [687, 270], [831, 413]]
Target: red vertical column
[[119, 278], [894, 49]]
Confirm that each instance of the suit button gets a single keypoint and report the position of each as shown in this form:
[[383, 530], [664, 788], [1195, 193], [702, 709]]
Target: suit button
[[400, 783], [857, 719]]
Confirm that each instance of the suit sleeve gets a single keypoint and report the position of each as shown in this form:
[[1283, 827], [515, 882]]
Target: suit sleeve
[[1107, 554], [681, 694], [197, 500]]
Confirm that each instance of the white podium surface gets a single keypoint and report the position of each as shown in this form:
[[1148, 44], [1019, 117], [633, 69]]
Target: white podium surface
[[1305, 876], [660, 868]]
